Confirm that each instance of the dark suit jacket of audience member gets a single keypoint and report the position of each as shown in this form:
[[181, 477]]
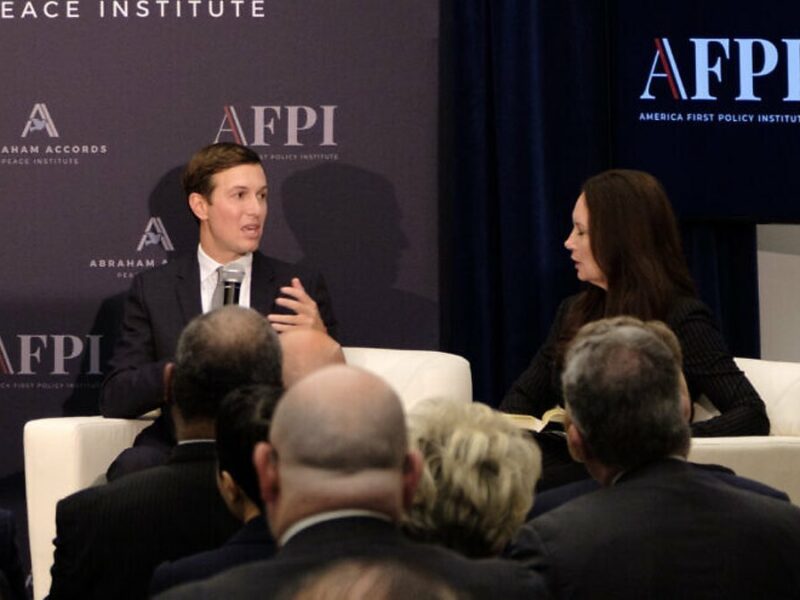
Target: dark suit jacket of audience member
[[160, 303], [368, 538], [252, 542], [668, 530], [110, 538], [10, 565], [553, 498]]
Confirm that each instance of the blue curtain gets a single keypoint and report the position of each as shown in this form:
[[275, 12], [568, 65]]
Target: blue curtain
[[525, 120]]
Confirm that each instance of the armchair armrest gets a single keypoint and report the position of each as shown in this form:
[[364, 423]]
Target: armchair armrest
[[62, 456], [769, 459], [416, 375]]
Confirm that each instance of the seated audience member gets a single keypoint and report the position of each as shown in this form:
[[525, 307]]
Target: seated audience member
[[226, 191], [479, 471], [243, 420], [110, 538], [335, 478], [557, 496], [12, 577], [659, 528], [305, 351], [376, 580]]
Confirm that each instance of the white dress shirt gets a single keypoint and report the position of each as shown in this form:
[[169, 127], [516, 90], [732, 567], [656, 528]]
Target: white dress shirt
[[209, 277]]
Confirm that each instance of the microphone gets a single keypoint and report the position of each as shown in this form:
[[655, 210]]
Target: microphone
[[231, 276]]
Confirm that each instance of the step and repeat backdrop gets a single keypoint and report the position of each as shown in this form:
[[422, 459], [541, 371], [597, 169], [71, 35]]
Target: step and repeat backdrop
[[103, 102]]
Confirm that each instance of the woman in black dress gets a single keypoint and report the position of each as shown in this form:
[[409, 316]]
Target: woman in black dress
[[626, 247]]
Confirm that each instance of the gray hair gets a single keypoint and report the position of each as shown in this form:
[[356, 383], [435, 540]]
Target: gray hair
[[621, 387], [220, 351]]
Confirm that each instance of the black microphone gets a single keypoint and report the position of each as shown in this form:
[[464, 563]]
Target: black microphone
[[231, 276]]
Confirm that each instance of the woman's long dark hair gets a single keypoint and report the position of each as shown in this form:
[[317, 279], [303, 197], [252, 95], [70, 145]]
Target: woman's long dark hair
[[635, 241]]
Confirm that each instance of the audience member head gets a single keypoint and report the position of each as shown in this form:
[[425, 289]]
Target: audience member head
[[337, 441], [307, 350], [479, 472], [242, 422], [213, 159], [662, 332], [622, 393], [217, 352], [377, 580]]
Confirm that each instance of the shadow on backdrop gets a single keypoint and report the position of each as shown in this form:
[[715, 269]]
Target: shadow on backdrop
[[168, 203], [347, 223]]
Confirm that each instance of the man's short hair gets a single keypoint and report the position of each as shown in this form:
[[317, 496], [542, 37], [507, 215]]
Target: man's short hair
[[477, 483], [661, 329], [621, 388], [219, 351], [206, 162], [242, 422]]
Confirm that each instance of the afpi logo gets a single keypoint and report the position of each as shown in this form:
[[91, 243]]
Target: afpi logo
[[294, 125], [51, 354], [40, 120], [154, 234], [739, 63]]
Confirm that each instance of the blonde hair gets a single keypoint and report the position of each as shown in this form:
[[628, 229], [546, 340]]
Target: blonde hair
[[479, 471]]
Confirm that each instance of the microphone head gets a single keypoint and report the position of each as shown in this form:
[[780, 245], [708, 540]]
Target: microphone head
[[233, 273]]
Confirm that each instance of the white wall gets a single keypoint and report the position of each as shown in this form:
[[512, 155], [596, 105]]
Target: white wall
[[779, 291]]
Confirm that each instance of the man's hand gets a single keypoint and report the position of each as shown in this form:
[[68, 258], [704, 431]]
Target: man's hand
[[307, 313]]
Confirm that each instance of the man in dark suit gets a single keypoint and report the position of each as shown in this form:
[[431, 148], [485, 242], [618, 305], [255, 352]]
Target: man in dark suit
[[110, 538], [658, 528], [242, 422], [335, 477], [12, 577], [226, 190]]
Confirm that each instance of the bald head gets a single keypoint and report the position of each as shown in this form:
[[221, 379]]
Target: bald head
[[307, 350], [337, 441], [340, 419]]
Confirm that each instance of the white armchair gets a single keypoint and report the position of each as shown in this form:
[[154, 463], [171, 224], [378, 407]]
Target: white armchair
[[772, 459], [64, 455]]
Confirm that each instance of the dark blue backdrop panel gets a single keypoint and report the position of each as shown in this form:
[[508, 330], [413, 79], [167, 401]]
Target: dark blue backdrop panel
[[529, 125], [706, 95]]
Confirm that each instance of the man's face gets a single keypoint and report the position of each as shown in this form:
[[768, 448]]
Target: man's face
[[232, 218]]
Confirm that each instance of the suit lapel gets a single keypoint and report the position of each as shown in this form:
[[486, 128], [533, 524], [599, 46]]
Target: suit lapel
[[263, 287], [187, 287]]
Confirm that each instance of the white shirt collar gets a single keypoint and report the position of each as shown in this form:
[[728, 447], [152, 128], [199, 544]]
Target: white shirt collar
[[208, 277], [329, 516], [208, 265]]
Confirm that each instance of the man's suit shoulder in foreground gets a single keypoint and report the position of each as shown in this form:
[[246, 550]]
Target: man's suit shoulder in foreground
[[667, 530], [252, 542], [371, 539], [110, 538]]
